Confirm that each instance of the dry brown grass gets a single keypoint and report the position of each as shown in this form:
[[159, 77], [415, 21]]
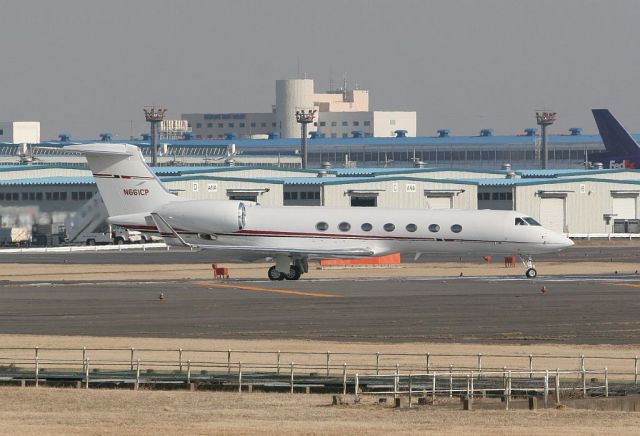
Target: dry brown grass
[[74, 272], [70, 411]]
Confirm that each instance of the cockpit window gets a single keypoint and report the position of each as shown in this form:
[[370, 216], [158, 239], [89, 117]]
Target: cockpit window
[[531, 221], [520, 222]]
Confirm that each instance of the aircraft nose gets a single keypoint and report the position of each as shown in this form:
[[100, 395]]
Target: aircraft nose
[[560, 241]]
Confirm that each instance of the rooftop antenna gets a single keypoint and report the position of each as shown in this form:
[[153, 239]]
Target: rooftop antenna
[[344, 86]]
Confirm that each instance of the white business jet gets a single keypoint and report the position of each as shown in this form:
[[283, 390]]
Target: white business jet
[[240, 230]]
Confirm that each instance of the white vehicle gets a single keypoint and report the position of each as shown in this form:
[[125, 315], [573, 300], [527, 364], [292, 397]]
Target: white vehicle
[[112, 235], [136, 199]]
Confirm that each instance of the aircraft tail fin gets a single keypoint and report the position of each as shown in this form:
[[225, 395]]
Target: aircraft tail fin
[[616, 139], [127, 185]]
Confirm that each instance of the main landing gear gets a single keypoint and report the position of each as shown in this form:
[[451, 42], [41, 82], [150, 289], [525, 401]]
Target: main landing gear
[[287, 268], [530, 266]]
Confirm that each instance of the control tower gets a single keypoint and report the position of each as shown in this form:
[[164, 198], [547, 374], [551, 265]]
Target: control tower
[[544, 119], [154, 116]]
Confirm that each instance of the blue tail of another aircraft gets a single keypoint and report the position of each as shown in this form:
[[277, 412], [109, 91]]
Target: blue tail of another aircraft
[[616, 139]]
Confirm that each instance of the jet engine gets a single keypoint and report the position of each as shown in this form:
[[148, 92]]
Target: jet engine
[[205, 216]]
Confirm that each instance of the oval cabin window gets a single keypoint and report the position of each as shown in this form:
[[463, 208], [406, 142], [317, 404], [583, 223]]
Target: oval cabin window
[[456, 228], [434, 228], [389, 227], [322, 226], [344, 226], [411, 227], [366, 227]]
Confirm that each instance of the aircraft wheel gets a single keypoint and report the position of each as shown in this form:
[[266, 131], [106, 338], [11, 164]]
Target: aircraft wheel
[[274, 274], [531, 273], [294, 273]]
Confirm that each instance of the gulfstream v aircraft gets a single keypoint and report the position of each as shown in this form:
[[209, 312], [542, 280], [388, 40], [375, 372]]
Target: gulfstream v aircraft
[[136, 199]]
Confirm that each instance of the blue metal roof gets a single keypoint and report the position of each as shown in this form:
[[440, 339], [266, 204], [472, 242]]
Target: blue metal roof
[[407, 141], [85, 180]]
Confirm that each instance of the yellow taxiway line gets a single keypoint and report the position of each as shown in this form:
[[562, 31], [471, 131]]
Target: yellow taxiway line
[[631, 285], [258, 289]]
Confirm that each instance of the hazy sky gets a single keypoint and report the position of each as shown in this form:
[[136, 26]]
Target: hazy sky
[[89, 66]]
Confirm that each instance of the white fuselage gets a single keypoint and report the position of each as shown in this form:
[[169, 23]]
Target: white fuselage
[[483, 232]]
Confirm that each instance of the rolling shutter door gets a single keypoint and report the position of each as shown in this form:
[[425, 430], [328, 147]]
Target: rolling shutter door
[[624, 207], [439, 202], [552, 214]]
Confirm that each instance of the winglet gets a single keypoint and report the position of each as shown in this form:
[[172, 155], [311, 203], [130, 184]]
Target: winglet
[[171, 237]]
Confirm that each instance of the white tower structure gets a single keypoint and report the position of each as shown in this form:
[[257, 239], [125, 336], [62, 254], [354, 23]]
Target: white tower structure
[[291, 95]]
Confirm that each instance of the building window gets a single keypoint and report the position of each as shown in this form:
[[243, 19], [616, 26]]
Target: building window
[[303, 196], [232, 125], [74, 196], [323, 123], [32, 196], [1, 195], [345, 123], [63, 196], [253, 124], [509, 196], [56, 196], [495, 196], [456, 228], [411, 228], [39, 196], [89, 195], [345, 135], [25, 196], [220, 125], [367, 123], [334, 135], [434, 228], [392, 122], [241, 124], [334, 123], [356, 123], [322, 226], [198, 125], [209, 136], [48, 196], [210, 125], [366, 227], [263, 124], [365, 201], [389, 227], [344, 226], [273, 124]]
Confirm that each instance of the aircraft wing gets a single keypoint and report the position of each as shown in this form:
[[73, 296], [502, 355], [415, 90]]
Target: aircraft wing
[[172, 237]]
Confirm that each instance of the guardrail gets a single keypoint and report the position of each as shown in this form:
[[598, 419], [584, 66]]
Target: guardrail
[[82, 248]]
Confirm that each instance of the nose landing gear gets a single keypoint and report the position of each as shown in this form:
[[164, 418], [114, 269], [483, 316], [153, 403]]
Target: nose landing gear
[[530, 266]]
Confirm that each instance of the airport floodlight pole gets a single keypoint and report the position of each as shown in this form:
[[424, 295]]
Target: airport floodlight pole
[[544, 119], [304, 117], [154, 116]]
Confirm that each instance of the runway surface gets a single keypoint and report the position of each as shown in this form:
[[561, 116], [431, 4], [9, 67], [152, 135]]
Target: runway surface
[[578, 310]]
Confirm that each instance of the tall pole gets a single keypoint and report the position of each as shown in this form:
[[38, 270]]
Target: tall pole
[[304, 117], [544, 119]]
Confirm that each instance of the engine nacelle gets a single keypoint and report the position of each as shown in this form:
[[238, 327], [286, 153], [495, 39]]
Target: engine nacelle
[[205, 216]]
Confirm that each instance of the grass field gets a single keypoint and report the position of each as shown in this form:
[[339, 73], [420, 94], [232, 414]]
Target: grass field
[[80, 412]]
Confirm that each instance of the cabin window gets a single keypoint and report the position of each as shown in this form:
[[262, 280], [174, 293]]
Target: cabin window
[[322, 226], [389, 227], [344, 226], [531, 221], [456, 228], [366, 227], [411, 227], [434, 228], [520, 222]]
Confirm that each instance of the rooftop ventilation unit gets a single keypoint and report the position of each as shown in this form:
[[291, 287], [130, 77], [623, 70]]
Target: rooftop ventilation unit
[[486, 132], [359, 133], [418, 164], [401, 133], [326, 165], [314, 135], [230, 136], [274, 135], [105, 137], [187, 136], [145, 136], [506, 166], [443, 133], [598, 166], [511, 174], [531, 131], [575, 131], [64, 137]]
